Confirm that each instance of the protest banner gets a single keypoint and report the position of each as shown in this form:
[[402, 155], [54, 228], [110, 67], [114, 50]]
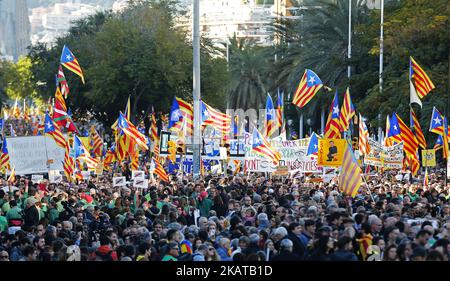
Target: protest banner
[[331, 152], [34, 154], [387, 157]]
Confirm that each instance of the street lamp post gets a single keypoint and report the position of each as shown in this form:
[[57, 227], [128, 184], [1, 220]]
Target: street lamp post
[[196, 90]]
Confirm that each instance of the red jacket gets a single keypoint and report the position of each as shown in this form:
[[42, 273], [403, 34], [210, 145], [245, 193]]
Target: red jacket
[[104, 250]]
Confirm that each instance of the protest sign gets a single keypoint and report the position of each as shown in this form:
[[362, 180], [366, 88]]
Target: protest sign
[[54, 176], [428, 158], [119, 181], [388, 157], [140, 182], [137, 174], [37, 178], [331, 152]]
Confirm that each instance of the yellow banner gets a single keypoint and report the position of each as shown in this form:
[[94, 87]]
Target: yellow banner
[[428, 158], [331, 152]]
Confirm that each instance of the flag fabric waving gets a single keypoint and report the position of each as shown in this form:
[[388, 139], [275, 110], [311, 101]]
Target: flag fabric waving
[[215, 118], [394, 133], [416, 126], [130, 130], [153, 132], [437, 120], [50, 128], [333, 126], [439, 143], [422, 83], [271, 122], [347, 112], [81, 152], [127, 114], [309, 85], [159, 170], [262, 147], [313, 146], [410, 143], [350, 175], [364, 146], [97, 142], [425, 179], [280, 109], [388, 141], [62, 82], [4, 159], [12, 176], [69, 61], [68, 164]]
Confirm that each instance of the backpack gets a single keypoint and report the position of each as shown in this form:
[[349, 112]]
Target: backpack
[[103, 257]]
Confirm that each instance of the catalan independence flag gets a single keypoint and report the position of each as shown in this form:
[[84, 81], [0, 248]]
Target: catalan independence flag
[[215, 118], [350, 175], [130, 130], [437, 120], [364, 146], [420, 79], [271, 122], [394, 133], [416, 126], [309, 85], [347, 112], [262, 147], [4, 158], [280, 109], [410, 143], [69, 61], [439, 143], [333, 126], [50, 128]]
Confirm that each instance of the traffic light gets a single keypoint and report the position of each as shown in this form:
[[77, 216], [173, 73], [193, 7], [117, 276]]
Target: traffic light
[[172, 151]]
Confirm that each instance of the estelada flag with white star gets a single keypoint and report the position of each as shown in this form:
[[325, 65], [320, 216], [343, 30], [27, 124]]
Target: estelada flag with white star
[[313, 146], [69, 61], [50, 128], [309, 85], [333, 126]]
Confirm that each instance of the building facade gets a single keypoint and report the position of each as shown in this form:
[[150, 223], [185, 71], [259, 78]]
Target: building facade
[[14, 29]]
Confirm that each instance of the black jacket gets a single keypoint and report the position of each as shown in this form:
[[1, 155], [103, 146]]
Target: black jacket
[[299, 248], [31, 217], [286, 256]]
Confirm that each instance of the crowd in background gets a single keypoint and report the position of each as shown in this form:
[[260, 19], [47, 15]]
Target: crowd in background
[[218, 218]]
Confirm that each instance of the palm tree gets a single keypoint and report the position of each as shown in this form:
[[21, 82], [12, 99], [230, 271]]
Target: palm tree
[[248, 67], [317, 40]]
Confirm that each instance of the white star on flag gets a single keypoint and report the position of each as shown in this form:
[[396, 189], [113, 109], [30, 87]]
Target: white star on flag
[[395, 128], [312, 79], [68, 57], [49, 125], [437, 121], [335, 110]]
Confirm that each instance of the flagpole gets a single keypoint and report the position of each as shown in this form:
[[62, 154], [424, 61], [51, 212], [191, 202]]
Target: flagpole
[[380, 74], [196, 89], [368, 188], [349, 37]]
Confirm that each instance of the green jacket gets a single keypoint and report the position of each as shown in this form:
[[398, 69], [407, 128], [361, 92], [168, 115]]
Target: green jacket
[[205, 206], [14, 213], [3, 223], [169, 258]]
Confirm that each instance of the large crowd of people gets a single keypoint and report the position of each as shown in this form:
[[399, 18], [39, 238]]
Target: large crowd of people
[[244, 217]]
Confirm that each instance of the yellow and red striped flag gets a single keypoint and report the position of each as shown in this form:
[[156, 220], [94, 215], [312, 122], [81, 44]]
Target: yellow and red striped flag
[[159, 170], [71, 63], [153, 132], [364, 146], [350, 175], [97, 143], [262, 147], [333, 126], [410, 143], [68, 164], [217, 119], [416, 126], [422, 83], [347, 111]]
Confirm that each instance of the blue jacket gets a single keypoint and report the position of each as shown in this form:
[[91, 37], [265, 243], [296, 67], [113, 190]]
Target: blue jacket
[[223, 253], [342, 255]]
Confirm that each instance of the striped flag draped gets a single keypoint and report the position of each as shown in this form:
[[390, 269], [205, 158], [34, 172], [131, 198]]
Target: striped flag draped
[[271, 122], [347, 112], [69, 61], [350, 175], [364, 146], [416, 126], [280, 109], [135, 160], [333, 126], [153, 128], [309, 85], [410, 143], [421, 81], [159, 170], [97, 142], [262, 147], [68, 164], [4, 158]]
